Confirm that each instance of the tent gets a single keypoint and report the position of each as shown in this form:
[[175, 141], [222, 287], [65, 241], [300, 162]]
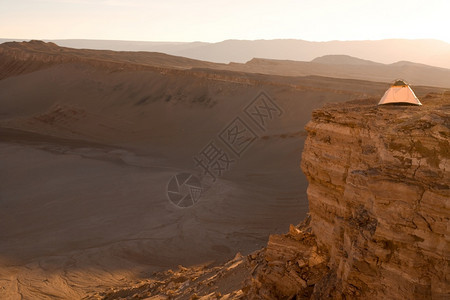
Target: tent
[[399, 93]]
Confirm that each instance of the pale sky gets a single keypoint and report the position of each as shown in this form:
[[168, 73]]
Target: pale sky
[[213, 21]]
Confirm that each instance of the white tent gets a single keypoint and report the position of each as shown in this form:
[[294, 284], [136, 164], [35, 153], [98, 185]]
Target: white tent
[[399, 92]]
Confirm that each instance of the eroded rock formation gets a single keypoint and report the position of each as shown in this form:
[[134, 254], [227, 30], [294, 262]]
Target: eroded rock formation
[[379, 190], [378, 228]]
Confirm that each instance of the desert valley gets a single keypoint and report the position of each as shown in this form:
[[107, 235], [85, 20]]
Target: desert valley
[[90, 141]]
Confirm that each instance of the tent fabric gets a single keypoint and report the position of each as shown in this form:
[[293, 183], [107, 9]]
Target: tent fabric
[[399, 94]]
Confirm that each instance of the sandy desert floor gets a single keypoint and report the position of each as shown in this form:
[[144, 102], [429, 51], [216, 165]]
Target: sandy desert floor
[[87, 151], [77, 216]]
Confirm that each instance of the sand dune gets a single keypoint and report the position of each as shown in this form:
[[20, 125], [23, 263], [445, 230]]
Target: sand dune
[[90, 140]]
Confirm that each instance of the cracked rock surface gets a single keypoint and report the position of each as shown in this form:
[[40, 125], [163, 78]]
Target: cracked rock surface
[[379, 190], [378, 194]]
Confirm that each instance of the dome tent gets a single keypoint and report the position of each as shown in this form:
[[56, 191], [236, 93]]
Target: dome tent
[[399, 93]]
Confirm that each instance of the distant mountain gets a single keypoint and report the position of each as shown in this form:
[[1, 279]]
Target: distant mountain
[[343, 60], [341, 66], [39, 55], [430, 52], [36, 55], [117, 45]]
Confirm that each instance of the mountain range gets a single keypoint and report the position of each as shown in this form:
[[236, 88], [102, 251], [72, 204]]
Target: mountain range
[[425, 51], [335, 66]]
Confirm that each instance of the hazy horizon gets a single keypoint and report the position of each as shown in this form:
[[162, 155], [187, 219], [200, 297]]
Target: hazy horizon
[[177, 21], [207, 42]]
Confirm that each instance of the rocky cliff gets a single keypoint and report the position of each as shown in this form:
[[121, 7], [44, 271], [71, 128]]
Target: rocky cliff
[[379, 190], [378, 227]]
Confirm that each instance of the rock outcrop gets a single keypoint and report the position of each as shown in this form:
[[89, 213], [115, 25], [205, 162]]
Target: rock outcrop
[[379, 190], [378, 227]]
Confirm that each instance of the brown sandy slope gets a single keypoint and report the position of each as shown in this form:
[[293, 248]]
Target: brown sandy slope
[[89, 141], [39, 54]]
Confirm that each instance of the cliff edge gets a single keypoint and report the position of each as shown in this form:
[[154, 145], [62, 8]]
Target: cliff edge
[[378, 227], [379, 190]]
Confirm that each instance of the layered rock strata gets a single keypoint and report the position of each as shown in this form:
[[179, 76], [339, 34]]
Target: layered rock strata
[[379, 190], [378, 227]]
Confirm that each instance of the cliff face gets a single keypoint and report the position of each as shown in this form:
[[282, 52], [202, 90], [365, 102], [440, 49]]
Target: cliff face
[[379, 190], [378, 228]]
